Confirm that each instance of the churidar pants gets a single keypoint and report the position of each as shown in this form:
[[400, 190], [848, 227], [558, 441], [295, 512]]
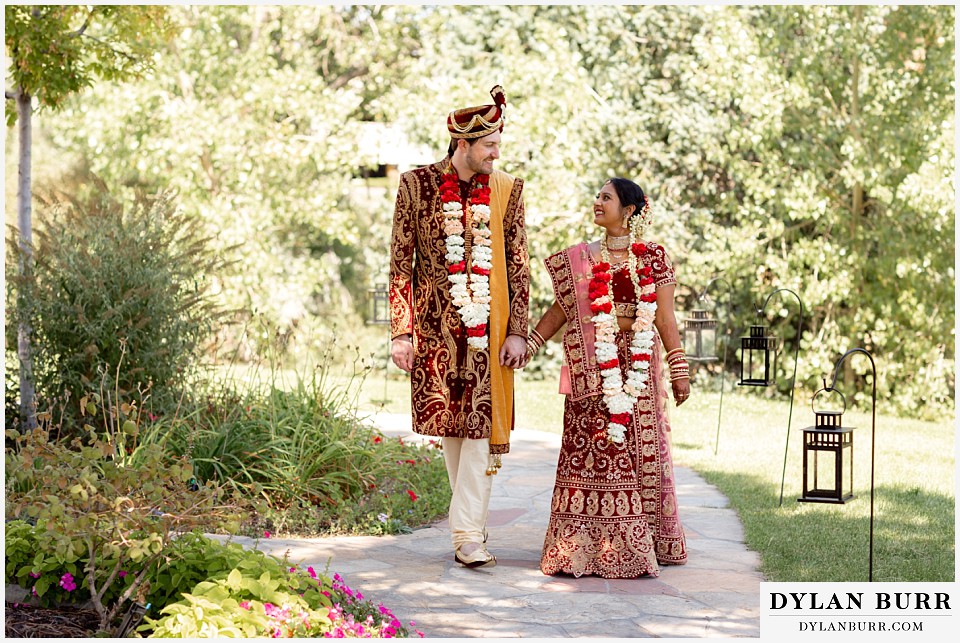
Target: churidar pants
[[467, 462]]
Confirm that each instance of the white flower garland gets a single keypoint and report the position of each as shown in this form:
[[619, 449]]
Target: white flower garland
[[619, 396], [470, 294]]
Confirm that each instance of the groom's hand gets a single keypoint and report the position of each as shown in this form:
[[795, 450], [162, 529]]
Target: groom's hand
[[513, 351], [401, 350]]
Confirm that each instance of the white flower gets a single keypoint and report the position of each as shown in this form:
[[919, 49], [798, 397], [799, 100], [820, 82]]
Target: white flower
[[616, 433]]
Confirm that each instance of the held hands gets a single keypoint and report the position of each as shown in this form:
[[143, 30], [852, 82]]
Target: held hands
[[513, 353]]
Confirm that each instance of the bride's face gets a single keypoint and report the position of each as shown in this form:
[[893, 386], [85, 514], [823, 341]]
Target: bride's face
[[607, 211]]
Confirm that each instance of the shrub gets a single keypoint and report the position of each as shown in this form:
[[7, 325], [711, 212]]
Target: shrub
[[109, 275], [97, 513], [201, 587], [300, 447]]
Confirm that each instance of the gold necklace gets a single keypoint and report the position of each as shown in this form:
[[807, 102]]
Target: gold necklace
[[618, 243]]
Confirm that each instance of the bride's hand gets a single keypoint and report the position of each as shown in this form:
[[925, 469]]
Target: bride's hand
[[681, 390]]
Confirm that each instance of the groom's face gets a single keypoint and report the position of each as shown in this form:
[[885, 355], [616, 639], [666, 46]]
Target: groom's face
[[481, 155]]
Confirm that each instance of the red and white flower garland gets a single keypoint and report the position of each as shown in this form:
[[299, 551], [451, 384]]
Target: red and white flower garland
[[619, 396], [471, 295]]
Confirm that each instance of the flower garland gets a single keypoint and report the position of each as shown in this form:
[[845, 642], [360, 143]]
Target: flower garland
[[471, 294], [619, 396]]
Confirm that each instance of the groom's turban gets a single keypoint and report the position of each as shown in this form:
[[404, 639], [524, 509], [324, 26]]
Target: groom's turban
[[476, 122]]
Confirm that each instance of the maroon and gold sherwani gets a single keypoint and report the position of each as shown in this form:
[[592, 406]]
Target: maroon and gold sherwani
[[457, 392]]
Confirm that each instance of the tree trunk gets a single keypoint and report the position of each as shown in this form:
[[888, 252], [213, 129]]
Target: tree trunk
[[855, 125], [28, 402]]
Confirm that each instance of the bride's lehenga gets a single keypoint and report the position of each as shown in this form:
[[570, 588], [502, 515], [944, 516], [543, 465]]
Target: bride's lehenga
[[614, 507]]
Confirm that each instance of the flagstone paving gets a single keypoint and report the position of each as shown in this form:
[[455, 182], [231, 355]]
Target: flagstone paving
[[715, 595]]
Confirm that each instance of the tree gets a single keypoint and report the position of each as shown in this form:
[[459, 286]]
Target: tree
[[57, 51]]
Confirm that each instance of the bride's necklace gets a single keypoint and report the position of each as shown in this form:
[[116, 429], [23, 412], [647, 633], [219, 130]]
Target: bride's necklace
[[618, 243]]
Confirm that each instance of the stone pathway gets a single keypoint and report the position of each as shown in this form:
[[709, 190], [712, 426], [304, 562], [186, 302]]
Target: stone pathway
[[715, 595]]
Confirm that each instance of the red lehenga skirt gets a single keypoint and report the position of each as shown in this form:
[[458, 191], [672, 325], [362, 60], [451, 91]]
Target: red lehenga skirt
[[614, 507]]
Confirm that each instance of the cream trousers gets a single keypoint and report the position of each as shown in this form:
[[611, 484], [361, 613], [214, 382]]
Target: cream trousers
[[467, 461]]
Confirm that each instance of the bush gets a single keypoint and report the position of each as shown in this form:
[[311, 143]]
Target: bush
[[300, 448], [102, 505], [201, 587], [110, 278]]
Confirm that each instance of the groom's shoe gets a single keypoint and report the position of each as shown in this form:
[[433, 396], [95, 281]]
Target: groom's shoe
[[479, 557]]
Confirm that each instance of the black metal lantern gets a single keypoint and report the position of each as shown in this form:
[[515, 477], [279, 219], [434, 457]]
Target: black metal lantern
[[758, 357], [700, 337], [828, 478], [379, 297]]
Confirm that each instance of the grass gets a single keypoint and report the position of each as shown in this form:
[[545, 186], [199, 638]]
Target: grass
[[914, 483]]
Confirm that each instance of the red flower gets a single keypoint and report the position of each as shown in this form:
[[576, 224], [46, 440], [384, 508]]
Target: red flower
[[640, 357], [412, 495], [457, 267], [608, 365], [481, 271], [410, 461], [603, 266], [620, 418], [477, 331], [601, 308], [599, 291], [639, 249], [377, 439], [482, 179]]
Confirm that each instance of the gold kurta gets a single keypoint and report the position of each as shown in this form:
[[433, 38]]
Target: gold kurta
[[451, 385]]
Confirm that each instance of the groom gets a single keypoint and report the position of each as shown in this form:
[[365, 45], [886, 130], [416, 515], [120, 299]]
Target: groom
[[459, 291]]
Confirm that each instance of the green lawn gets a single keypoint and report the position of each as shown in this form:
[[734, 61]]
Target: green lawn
[[914, 492]]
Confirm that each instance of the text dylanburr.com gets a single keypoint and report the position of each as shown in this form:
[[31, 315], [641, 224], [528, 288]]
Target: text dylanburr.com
[[853, 610]]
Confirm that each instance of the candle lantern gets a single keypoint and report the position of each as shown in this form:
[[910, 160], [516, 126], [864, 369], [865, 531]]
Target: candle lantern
[[827, 457], [758, 357], [700, 337], [379, 309]]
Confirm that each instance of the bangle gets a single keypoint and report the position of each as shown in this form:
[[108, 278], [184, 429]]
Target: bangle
[[675, 350], [684, 376], [534, 342]]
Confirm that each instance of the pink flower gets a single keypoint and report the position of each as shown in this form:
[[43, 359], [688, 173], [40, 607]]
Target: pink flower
[[34, 575], [245, 605], [312, 573], [266, 534], [122, 574], [66, 582]]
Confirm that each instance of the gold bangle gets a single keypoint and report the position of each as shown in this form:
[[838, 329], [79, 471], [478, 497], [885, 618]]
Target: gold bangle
[[538, 337], [675, 350]]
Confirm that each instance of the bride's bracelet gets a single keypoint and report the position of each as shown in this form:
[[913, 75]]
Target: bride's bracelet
[[535, 342]]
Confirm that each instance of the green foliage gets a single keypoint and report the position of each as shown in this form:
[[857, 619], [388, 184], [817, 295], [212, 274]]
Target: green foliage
[[244, 596], [807, 148], [90, 504], [116, 283], [204, 587], [296, 443], [56, 51]]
